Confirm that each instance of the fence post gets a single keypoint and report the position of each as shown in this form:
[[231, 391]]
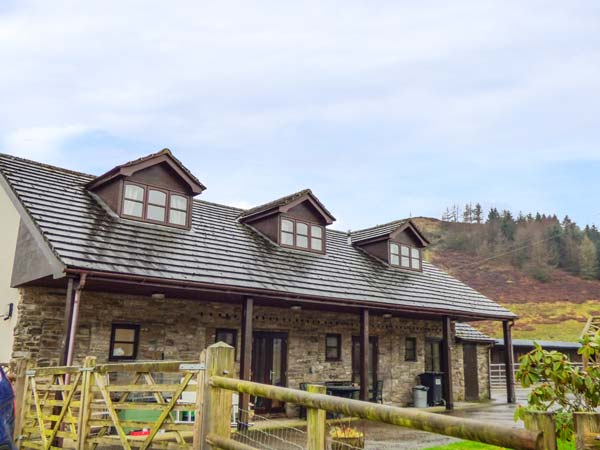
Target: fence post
[[86, 400], [587, 429], [315, 419], [23, 365], [216, 414], [198, 411], [543, 421]]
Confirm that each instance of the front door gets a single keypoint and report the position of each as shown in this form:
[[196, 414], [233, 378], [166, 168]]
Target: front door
[[471, 372], [373, 360], [269, 365]]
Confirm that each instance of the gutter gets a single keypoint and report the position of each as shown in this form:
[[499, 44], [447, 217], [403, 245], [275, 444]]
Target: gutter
[[207, 287]]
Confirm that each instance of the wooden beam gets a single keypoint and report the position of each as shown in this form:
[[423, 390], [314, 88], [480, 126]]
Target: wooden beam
[[509, 361], [246, 355], [70, 298], [364, 355], [447, 362]]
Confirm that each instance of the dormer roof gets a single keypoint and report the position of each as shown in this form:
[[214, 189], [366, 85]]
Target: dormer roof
[[162, 157], [387, 231], [284, 204]]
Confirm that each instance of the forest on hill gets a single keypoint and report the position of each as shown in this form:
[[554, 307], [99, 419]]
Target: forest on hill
[[535, 243], [541, 267]]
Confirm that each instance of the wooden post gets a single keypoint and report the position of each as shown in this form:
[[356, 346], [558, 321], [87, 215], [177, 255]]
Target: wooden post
[[316, 421], [543, 421], [86, 401], [364, 355], [70, 298], [246, 357], [447, 363], [509, 363], [587, 430], [201, 380], [23, 365], [216, 414]]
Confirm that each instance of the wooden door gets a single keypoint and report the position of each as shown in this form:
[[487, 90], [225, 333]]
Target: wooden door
[[373, 361], [471, 372], [269, 366]]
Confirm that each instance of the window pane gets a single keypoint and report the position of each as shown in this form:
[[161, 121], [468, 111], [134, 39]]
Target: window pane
[[405, 250], [227, 337], [123, 350], [287, 238], [157, 197], [177, 217], [331, 353], [414, 263], [133, 192], [405, 261], [124, 335], [395, 260], [301, 241], [414, 252], [156, 213], [316, 231], [332, 341], [316, 244], [301, 228], [394, 249], [287, 225], [131, 208], [178, 201]]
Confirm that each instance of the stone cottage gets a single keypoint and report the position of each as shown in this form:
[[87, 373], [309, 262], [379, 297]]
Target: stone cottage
[[129, 265]]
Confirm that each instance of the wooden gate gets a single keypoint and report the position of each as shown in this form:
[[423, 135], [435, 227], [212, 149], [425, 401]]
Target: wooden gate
[[141, 405]]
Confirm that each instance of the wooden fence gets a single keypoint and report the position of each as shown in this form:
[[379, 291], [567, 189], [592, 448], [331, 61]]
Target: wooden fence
[[83, 407], [86, 407]]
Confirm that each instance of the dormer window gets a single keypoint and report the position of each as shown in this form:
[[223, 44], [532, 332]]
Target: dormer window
[[301, 235], [405, 256], [155, 205]]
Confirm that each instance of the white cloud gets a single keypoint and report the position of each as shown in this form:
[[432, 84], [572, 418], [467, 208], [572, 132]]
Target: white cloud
[[39, 143]]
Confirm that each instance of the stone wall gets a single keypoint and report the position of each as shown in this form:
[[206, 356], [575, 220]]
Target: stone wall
[[180, 329]]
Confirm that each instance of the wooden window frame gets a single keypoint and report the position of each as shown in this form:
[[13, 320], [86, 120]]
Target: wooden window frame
[[414, 349], [410, 257], [145, 203], [136, 341], [428, 342], [338, 346], [294, 233], [228, 330]]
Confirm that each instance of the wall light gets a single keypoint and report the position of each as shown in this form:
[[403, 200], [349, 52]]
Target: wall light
[[387, 316], [295, 307]]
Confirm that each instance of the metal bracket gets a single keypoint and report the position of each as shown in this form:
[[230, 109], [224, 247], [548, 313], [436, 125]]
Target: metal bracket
[[192, 366], [86, 369], [30, 373]]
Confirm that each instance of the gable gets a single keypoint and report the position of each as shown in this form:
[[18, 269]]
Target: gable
[[162, 176], [306, 211], [30, 263], [407, 236]]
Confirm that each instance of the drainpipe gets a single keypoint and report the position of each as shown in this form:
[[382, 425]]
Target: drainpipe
[[75, 319]]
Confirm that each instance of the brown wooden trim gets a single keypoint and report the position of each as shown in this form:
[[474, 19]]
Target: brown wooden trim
[[338, 346], [145, 203], [136, 341], [364, 355], [246, 354], [410, 257], [294, 233], [272, 294], [509, 362], [412, 339], [447, 362]]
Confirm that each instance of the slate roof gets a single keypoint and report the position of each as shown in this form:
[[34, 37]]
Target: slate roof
[[544, 344], [284, 201], [221, 251], [379, 231], [466, 332]]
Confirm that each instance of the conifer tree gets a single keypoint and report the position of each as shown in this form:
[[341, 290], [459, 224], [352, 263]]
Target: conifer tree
[[478, 214], [588, 260]]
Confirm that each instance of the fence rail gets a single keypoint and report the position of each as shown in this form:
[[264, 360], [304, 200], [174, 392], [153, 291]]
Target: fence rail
[[498, 374]]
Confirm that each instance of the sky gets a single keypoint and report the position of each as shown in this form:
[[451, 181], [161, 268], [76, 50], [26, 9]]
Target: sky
[[384, 109]]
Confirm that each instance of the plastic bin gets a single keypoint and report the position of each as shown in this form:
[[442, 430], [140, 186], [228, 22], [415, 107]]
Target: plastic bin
[[420, 396], [433, 380], [7, 412]]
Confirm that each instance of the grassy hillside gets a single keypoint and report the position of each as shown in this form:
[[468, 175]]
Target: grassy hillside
[[555, 310]]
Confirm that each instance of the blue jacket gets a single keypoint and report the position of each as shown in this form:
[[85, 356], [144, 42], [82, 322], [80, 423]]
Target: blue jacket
[[7, 412]]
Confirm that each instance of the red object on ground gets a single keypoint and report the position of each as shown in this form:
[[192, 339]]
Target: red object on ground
[[140, 433]]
